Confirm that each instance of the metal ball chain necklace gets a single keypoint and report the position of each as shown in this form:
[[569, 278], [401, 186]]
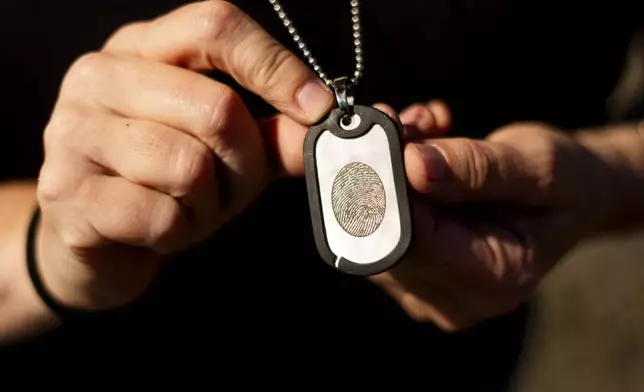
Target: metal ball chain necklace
[[357, 44], [355, 174]]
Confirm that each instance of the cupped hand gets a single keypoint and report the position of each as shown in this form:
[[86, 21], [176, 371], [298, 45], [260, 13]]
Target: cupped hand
[[146, 156], [491, 216]]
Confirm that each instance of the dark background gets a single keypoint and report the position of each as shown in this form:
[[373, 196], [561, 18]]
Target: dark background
[[493, 61], [247, 308]]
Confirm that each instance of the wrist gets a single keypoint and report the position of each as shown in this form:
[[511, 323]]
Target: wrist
[[619, 154], [97, 282], [22, 312], [53, 270]]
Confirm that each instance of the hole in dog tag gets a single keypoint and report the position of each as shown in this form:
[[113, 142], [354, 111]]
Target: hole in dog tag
[[358, 191]]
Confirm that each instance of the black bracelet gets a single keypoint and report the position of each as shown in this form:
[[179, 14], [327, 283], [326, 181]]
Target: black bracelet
[[63, 312]]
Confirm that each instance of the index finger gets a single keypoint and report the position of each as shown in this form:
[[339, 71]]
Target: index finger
[[217, 35]]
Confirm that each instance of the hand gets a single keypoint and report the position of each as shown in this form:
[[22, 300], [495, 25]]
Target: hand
[[145, 156], [492, 217]]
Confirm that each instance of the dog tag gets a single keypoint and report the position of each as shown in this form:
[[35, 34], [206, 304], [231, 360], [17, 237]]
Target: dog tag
[[358, 190]]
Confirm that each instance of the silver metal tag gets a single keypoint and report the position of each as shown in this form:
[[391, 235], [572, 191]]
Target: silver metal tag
[[358, 191]]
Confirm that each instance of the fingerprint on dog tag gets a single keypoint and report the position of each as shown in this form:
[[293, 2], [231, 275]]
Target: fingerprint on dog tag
[[358, 199]]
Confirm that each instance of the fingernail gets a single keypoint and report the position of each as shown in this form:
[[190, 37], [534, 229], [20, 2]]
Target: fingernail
[[435, 163], [314, 99]]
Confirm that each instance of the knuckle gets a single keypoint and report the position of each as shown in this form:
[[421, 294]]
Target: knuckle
[[168, 221], [478, 164], [221, 110], [544, 158], [84, 71], [216, 19], [268, 72], [72, 239], [123, 35], [195, 166], [538, 150], [426, 120], [52, 185], [470, 161], [61, 126]]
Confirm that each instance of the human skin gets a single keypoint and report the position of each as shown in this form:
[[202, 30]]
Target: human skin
[[140, 143]]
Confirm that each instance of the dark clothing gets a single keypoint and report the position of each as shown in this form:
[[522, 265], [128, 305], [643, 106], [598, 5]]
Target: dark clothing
[[256, 305]]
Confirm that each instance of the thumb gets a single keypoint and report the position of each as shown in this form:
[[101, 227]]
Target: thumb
[[467, 170], [284, 138], [216, 35]]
